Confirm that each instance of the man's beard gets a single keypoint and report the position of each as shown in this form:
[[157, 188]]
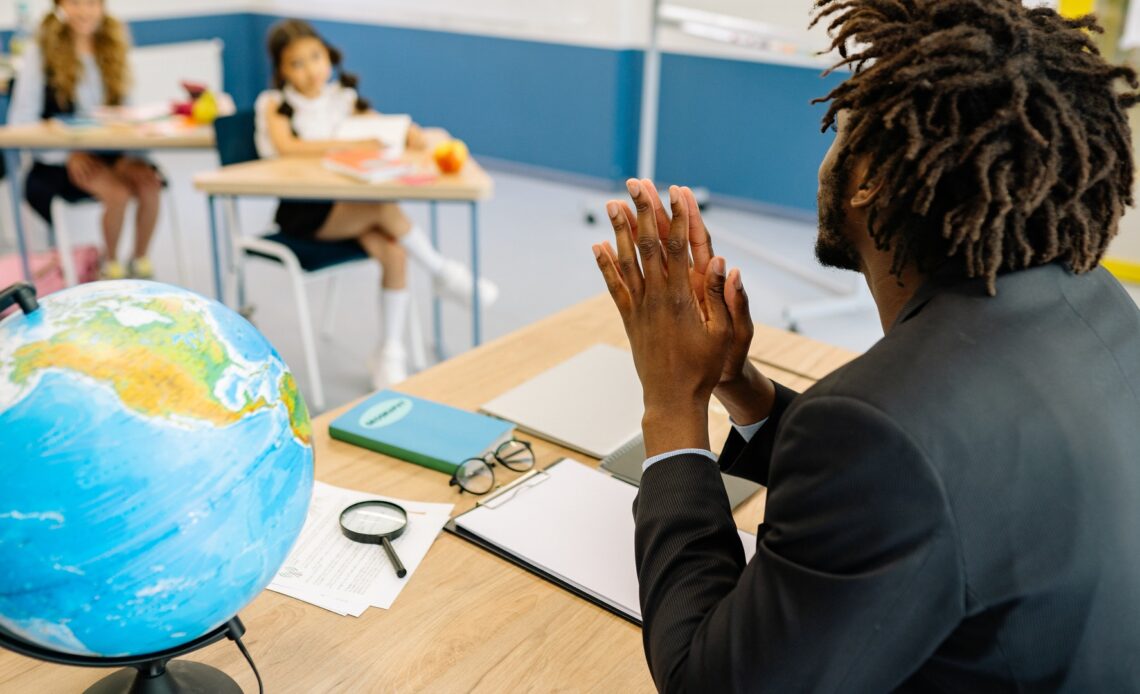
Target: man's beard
[[832, 248]]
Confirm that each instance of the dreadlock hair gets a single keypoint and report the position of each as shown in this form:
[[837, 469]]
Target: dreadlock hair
[[996, 129], [286, 32]]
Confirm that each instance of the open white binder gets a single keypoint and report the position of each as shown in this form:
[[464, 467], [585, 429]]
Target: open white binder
[[572, 525]]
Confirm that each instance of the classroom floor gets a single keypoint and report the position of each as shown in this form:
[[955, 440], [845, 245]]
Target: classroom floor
[[535, 244]]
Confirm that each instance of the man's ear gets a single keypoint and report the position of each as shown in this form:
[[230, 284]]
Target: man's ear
[[868, 190]]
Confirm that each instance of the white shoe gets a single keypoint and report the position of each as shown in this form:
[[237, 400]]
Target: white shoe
[[453, 281], [389, 366]]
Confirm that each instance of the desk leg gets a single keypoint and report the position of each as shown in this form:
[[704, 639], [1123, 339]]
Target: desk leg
[[436, 304], [215, 258], [476, 307], [12, 163]]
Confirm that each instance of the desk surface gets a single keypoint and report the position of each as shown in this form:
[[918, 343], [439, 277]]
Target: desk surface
[[467, 621], [51, 135], [304, 178]]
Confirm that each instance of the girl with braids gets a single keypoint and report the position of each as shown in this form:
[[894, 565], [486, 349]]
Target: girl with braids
[[299, 117], [957, 509], [79, 64]]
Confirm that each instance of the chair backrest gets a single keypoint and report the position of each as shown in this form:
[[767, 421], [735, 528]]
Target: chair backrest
[[234, 138]]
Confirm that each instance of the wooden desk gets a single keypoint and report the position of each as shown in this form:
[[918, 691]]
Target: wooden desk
[[15, 139], [467, 621], [304, 178]]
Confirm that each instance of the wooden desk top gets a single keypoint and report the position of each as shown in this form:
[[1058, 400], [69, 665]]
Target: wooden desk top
[[51, 135], [467, 621], [306, 179]]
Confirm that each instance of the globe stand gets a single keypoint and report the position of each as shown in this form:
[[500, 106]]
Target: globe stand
[[155, 673], [166, 678]]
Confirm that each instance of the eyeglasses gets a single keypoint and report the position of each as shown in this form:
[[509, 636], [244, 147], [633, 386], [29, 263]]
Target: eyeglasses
[[477, 475]]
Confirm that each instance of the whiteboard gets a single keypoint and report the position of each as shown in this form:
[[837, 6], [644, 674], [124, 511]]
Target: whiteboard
[[157, 71], [793, 16], [757, 30]]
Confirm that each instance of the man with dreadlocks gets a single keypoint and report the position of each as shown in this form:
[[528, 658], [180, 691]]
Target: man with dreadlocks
[[959, 508]]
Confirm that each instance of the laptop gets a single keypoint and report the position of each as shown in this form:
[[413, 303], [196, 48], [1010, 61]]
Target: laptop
[[626, 464], [590, 403]]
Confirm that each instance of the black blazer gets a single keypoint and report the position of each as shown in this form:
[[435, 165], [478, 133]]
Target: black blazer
[[956, 510]]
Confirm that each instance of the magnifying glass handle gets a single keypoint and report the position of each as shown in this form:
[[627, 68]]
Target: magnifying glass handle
[[396, 563]]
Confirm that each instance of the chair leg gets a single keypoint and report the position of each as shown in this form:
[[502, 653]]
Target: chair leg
[[63, 245], [417, 349], [307, 340], [7, 232], [234, 258], [176, 233], [242, 307], [328, 316]]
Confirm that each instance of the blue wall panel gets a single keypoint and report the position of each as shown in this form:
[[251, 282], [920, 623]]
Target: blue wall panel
[[741, 129], [747, 130], [543, 104]]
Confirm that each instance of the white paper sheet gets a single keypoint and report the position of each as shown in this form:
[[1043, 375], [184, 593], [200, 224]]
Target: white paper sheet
[[328, 570], [391, 129]]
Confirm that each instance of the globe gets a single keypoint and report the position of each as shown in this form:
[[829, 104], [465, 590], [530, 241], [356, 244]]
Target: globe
[[156, 467]]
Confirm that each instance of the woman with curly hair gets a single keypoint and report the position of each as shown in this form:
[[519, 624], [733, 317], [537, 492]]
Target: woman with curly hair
[[78, 64]]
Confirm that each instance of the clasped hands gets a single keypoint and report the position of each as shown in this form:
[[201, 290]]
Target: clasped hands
[[686, 317]]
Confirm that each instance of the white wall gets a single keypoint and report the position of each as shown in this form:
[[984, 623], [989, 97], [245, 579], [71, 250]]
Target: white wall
[[614, 24], [603, 23], [141, 9]]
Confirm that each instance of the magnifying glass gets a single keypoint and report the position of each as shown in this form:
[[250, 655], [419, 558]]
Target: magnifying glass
[[376, 523]]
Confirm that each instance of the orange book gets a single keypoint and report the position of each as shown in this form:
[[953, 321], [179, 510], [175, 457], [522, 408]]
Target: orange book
[[367, 165]]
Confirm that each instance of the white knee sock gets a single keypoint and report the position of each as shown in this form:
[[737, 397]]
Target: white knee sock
[[394, 314], [418, 246]]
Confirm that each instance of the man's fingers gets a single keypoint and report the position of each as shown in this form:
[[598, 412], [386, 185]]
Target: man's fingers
[[607, 264], [648, 242], [659, 215], [677, 246], [737, 299], [625, 230], [699, 240], [718, 315]]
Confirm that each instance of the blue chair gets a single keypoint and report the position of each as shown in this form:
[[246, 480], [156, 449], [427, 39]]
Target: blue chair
[[304, 260]]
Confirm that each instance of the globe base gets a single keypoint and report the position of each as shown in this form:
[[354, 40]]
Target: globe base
[[177, 677], [154, 673]]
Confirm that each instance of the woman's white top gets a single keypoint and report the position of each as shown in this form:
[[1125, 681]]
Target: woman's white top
[[27, 105], [318, 118]]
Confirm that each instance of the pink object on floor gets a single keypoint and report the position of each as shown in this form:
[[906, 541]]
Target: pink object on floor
[[47, 275]]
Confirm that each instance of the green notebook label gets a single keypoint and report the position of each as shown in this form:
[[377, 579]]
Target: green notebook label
[[386, 413]]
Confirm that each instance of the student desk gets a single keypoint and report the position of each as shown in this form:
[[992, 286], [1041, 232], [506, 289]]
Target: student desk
[[49, 135], [303, 178], [467, 620]]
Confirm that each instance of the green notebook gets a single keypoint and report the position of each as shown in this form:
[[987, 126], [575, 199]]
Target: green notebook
[[420, 431]]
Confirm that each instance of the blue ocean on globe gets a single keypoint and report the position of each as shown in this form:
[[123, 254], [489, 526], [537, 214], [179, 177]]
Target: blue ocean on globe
[[157, 468]]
